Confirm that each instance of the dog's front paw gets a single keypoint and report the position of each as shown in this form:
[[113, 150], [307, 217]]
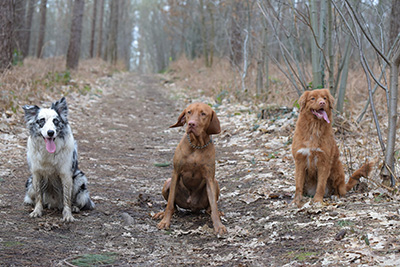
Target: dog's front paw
[[164, 224], [67, 216], [220, 229], [158, 215], [35, 214], [297, 201], [68, 219], [317, 199]]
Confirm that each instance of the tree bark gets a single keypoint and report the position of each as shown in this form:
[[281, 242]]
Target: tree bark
[[113, 33], [329, 38], [19, 25], [343, 77], [93, 28], [236, 39], [315, 53], [42, 29], [28, 26], [6, 33], [394, 22], [212, 33], [204, 34], [100, 35], [388, 170], [75, 36]]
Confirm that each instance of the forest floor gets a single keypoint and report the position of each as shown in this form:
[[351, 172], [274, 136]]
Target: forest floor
[[124, 140]]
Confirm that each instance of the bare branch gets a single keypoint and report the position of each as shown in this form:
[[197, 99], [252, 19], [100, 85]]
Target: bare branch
[[365, 34]]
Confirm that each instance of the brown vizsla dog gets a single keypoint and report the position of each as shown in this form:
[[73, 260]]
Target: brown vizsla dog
[[193, 185], [319, 171]]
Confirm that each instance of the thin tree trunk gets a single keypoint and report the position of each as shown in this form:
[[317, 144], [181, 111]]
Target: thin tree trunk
[[394, 22], [113, 33], [315, 53], [42, 30], [76, 33], [265, 55], [100, 35], [388, 170], [204, 34], [236, 39], [321, 40], [343, 77], [331, 80], [212, 33], [28, 26], [19, 25], [6, 33], [93, 28]]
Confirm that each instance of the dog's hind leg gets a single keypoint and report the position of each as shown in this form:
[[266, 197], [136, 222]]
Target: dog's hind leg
[[80, 194], [30, 193]]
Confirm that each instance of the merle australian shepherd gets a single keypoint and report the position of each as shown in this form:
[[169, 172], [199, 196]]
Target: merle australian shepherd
[[56, 181]]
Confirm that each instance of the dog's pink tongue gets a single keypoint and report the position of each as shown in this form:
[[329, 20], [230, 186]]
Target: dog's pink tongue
[[50, 145], [325, 116]]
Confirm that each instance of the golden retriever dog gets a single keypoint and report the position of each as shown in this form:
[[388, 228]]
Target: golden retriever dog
[[319, 171]]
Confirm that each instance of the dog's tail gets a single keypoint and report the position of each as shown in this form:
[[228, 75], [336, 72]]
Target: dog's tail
[[361, 172]]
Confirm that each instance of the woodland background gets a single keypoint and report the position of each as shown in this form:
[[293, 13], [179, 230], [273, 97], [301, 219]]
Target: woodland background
[[257, 50], [250, 60]]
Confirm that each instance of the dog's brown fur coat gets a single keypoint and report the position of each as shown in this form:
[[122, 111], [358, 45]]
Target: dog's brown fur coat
[[319, 171], [193, 185]]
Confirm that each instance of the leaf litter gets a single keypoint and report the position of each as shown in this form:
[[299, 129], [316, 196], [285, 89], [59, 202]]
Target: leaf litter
[[255, 170]]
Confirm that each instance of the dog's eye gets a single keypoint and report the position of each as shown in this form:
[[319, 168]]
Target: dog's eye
[[56, 122], [312, 98], [203, 114], [189, 112], [41, 122]]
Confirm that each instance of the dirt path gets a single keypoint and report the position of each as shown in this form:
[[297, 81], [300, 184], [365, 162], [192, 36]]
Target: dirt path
[[122, 136]]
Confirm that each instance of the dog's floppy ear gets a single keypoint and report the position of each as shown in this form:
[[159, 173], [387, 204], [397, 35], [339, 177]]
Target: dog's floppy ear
[[30, 112], [61, 108], [181, 120], [214, 127], [303, 100]]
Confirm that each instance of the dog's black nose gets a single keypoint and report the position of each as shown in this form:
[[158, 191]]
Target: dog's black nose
[[50, 133]]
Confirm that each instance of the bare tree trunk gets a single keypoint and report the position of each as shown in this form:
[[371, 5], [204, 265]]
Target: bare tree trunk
[[388, 171], [28, 26], [43, 10], [124, 32], [394, 22], [265, 55], [315, 53], [321, 41], [212, 33], [343, 77], [236, 39], [100, 35], [262, 63], [19, 25], [204, 34], [331, 79], [93, 28], [6, 33], [259, 77], [112, 37], [74, 47]]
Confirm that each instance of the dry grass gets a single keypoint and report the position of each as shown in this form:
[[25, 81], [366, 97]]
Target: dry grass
[[38, 80], [223, 77]]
